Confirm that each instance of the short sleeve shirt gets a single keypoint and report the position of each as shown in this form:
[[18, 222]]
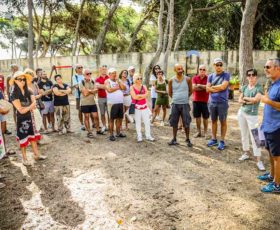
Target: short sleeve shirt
[[76, 80], [90, 99], [200, 96], [251, 109], [214, 79], [101, 80], [46, 86]]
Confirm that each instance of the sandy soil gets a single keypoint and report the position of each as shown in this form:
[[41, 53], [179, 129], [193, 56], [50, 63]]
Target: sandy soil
[[97, 184]]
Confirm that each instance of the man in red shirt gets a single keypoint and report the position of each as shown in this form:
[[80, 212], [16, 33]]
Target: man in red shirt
[[102, 95], [200, 101]]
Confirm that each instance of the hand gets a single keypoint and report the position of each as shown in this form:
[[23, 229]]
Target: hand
[[241, 101], [264, 99], [4, 111], [117, 87], [32, 106]]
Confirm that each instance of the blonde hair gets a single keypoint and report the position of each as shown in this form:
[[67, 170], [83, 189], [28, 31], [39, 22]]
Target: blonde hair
[[136, 75]]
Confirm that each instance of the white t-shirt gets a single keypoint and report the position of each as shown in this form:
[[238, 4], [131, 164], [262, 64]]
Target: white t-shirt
[[153, 88]]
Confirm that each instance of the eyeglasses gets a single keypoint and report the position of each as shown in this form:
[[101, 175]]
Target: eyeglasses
[[20, 79], [88, 73], [202, 69], [251, 75], [219, 65], [267, 67], [139, 78]]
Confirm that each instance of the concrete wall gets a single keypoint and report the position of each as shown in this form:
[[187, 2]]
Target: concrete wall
[[141, 60]]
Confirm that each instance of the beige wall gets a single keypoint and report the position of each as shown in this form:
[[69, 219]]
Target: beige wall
[[141, 60]]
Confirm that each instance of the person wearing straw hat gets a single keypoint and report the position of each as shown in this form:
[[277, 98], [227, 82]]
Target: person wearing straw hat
[[24, 102]]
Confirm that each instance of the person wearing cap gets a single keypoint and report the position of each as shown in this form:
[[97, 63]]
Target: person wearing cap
[[271, 126], [115, 99], [248, 116], [131, 72], [61, 104], [25, 103], [218, 89], [76, 80], [102, 95]]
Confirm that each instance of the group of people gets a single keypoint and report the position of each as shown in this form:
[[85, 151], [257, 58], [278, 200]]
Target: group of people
[[108, 101]]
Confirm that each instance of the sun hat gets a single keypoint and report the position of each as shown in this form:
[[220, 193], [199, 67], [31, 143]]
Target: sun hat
[[28, 77]]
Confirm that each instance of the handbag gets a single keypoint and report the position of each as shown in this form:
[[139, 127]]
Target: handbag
[[258, 137]]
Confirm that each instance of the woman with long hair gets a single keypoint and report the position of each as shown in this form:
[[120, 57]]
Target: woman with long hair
[[24, 102], [153, 79]]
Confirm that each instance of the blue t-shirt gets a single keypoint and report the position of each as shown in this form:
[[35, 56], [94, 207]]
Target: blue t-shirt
[[76, 80], [271, 116], [215, 79]]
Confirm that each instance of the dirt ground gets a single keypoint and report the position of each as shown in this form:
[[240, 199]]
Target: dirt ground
[[97, 184]]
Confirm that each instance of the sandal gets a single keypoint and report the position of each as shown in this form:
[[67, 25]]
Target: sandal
[[90, 135], [10, 152], [40, 157]]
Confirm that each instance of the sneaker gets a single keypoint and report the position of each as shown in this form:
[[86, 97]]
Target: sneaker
[[60, 133], [157, 118], [129, 118], [161, 123], [212, 142], [173, 142], [83, 128], [112, 138], [189, 144], [221, 145], [244, 157], [271, 188], [150, 139], [69, 131], [41, 157], [121, 135], [100, 132], [26, 163], [139, 139], [2, 185], [103, 129], [260, 166], [265, 177], [8, 132]]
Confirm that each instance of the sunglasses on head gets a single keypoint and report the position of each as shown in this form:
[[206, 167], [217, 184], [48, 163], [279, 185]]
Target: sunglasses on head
[[21, 79], [88, 73], [267, 67], [219, 65], [202, 69]]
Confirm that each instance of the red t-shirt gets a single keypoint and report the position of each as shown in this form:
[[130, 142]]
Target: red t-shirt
[[201, 96], [102, 92], [2, 87]]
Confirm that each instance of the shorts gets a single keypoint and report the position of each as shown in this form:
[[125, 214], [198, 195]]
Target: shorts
[[102, 104], [2, 118], [200, 109], [49, 107], [272, 142], [115, 111], [127, 101], [78, 101], [153, 102], [218, 110], [183, 111], [88, 108]]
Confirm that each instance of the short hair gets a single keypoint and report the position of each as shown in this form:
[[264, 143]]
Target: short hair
[[255, 72], [56, 76], [38, 70], [14, 66], [135, 76], [86, 70], [275, 61]]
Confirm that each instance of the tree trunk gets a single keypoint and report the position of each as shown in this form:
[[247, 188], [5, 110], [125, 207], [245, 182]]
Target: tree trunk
[[185, 26], [159, 45], [30, 35], [102, 34], [135, 33], [246, 38], [77, 30], [165, 36], [170, 37]]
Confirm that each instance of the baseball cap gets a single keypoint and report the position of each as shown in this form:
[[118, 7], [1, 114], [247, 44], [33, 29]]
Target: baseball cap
[[218, 60], [130, 68], [111, 70]]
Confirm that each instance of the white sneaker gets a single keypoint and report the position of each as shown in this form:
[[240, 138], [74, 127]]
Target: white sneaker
[[26, 163], [244, 157], [139, 139], [157, 118], [103, 129], [150, 139], [129, 118], [260, 166], [161, 123]]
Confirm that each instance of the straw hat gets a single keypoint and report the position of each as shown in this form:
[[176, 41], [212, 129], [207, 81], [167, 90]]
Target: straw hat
[[28, 77]]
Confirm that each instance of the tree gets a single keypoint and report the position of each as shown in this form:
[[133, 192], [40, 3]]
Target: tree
[[246, 37], [30, 34]]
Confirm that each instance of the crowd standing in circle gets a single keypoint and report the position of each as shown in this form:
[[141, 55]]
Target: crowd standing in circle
[[112, 98]]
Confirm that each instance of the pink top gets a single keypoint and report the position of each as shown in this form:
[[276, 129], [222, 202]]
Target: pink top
[[142, 103]]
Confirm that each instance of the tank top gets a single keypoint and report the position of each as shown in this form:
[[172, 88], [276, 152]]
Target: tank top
[[115, 97], [142, 103], [180, 91]]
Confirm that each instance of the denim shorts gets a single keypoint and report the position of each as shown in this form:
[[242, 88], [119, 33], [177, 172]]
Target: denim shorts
[[2, 118], [183, 111], [49, 107], [272, 142], [218, 110]]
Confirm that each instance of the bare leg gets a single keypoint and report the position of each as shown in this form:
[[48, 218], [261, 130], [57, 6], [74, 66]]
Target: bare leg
[[223, 129], [3, 129], [205, 124], [164, 113], [45, 121], [271, 165], [103, 119], [214, 129], [86, 119], [118, 125], [156, 109], [35, 149], [277, 170], [23, 152], [52, 121], [81, 117], [95, 120], [198, 124], [111, 127]]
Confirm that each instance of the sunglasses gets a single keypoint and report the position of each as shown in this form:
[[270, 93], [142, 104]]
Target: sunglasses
[[104, 66], [251, 75], [139, 78], [80, 67], [267, 67], [88, 73], [20, 79], [202, 69], [219, 65]]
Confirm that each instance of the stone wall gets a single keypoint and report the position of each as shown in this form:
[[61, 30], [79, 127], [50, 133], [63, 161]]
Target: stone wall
[[141, 60]]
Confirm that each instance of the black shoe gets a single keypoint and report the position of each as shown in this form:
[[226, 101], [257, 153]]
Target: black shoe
[[100, 132], [189, 144], [121, 135], [112, 138], [173, 142], [8, 132]]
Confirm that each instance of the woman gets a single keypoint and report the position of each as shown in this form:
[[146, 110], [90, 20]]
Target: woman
[[139, 96], [127, 97], [25, 103], [153, 79], [162, 96], [248, 116]]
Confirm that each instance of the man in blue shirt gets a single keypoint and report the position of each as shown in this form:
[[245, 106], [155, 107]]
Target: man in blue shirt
[[76, 80], [217, 86], [271, 126]]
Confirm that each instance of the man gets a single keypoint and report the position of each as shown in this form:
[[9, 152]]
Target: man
[[180, 89], [45, 88], [271, 126], [88, 105], [39, 73], [115, 97], [76, 80], [102, 95], [200, 101], [61, 104], [217, 86], [131, 72]]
